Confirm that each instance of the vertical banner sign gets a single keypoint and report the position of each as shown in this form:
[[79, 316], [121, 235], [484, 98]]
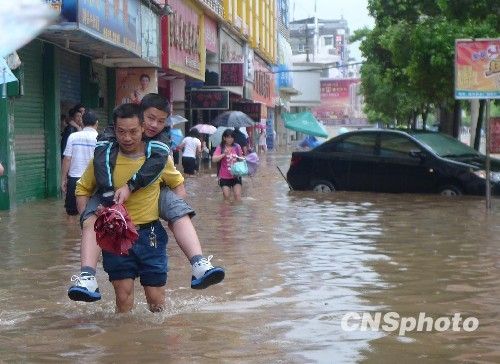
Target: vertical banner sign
[[477, 69], [211, 38]]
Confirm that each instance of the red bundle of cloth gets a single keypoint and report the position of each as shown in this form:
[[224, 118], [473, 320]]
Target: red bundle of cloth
[[115, 232]]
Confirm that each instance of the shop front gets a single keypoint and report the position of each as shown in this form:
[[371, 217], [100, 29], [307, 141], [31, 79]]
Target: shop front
[[71, 62]]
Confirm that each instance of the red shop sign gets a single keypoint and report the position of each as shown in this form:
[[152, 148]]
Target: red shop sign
[[231, 74], [252, 109]]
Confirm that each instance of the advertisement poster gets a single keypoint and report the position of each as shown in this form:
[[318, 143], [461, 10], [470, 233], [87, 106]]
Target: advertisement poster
[[477, 69], [335, 101], [133, 83]]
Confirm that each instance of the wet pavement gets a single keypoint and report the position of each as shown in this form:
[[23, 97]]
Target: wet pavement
[[296, 263]]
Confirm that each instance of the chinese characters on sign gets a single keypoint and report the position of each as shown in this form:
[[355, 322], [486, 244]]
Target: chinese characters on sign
[[118, 23], [231, 74], [210, 99], [338, 101], [252, 109], [477, 69], [183, 39]]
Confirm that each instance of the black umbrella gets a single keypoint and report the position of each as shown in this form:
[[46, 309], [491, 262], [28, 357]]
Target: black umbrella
[[233, 119]]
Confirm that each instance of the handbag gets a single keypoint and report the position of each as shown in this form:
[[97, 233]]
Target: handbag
[[239, 169]]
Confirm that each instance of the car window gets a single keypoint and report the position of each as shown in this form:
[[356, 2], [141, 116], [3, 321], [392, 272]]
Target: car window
[[358, 144], [397, 146], [445, 146]]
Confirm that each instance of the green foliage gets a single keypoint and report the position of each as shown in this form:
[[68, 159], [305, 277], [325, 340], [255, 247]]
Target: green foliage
[[409, 67]]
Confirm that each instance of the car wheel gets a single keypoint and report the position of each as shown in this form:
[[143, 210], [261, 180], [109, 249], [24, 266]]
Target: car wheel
[[450, 190], [322, 186]]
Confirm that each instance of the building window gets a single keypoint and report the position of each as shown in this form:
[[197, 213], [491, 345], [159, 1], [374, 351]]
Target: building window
[[328, 41]]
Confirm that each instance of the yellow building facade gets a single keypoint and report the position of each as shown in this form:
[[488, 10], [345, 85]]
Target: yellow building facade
[[256, 21]]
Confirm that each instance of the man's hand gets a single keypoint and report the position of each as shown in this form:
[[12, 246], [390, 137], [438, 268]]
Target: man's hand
[[122, 194], [64, 186]]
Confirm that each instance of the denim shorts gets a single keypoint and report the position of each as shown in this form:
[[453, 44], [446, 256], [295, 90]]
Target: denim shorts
[[148, 262], [172, 207]]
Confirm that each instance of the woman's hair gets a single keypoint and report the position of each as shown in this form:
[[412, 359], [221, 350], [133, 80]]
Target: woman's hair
[[194, 133], [226, 133]]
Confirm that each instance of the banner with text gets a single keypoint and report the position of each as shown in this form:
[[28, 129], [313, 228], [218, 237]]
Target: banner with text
[[477, 69]]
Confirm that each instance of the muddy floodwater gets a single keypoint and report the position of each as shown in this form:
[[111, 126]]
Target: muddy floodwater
[[296, 264]]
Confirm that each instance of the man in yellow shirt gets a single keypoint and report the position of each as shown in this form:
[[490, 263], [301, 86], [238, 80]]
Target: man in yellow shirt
[[147, 258]]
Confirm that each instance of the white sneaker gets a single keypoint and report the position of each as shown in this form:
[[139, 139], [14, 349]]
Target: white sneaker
[[85, 288], [205, 274]]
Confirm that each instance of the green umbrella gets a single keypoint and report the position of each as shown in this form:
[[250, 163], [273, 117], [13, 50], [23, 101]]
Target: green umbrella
[[306, 123]]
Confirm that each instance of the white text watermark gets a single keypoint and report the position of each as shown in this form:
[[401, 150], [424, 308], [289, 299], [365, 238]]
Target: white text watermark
[[392, 322]]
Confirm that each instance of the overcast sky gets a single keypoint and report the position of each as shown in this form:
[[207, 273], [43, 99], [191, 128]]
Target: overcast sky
[[354, 11]]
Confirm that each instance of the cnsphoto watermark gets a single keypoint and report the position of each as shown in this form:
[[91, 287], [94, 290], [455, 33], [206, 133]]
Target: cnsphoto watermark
[[394, 322]]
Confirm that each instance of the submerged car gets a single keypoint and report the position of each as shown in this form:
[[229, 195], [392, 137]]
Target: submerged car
[[384, 160]]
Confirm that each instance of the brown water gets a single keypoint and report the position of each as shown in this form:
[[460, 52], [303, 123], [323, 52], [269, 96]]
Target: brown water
[[295, 263]]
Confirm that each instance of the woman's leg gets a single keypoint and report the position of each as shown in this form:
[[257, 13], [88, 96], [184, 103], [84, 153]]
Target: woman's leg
[[237, 192], [226, 192]]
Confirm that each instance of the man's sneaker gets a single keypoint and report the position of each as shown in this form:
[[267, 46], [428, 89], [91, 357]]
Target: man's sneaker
[[205, 274], [85, 288]]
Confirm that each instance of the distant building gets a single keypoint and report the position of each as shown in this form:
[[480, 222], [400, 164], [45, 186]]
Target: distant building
[[321, 41]]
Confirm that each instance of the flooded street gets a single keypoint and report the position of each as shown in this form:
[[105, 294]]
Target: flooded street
[[296, 262]]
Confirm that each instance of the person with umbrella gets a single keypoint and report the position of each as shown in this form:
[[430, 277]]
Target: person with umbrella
[[226, 154], [147, 258]]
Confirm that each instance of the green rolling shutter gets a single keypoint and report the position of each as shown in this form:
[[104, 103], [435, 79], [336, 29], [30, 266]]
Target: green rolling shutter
[[29, 129]]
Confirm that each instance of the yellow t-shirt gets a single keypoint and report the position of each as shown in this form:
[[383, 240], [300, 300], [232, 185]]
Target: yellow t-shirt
[[142, 205]]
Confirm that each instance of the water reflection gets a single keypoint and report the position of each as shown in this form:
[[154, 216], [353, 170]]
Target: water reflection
[[296, 263]]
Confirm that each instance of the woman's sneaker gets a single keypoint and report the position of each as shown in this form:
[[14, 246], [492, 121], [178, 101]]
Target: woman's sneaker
[[205, 274], [85, 288]]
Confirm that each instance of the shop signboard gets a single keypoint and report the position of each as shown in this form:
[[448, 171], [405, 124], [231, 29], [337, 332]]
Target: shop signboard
[[118, 22], [211, 39], [477, 69], [252, 109], [183, 39], [231, 49], [150, 26], [210, 99], [231, 74], [263, 86]]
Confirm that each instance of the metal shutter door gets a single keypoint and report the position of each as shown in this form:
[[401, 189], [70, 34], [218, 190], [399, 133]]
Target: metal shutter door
[[29, 128], [70, 78]]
